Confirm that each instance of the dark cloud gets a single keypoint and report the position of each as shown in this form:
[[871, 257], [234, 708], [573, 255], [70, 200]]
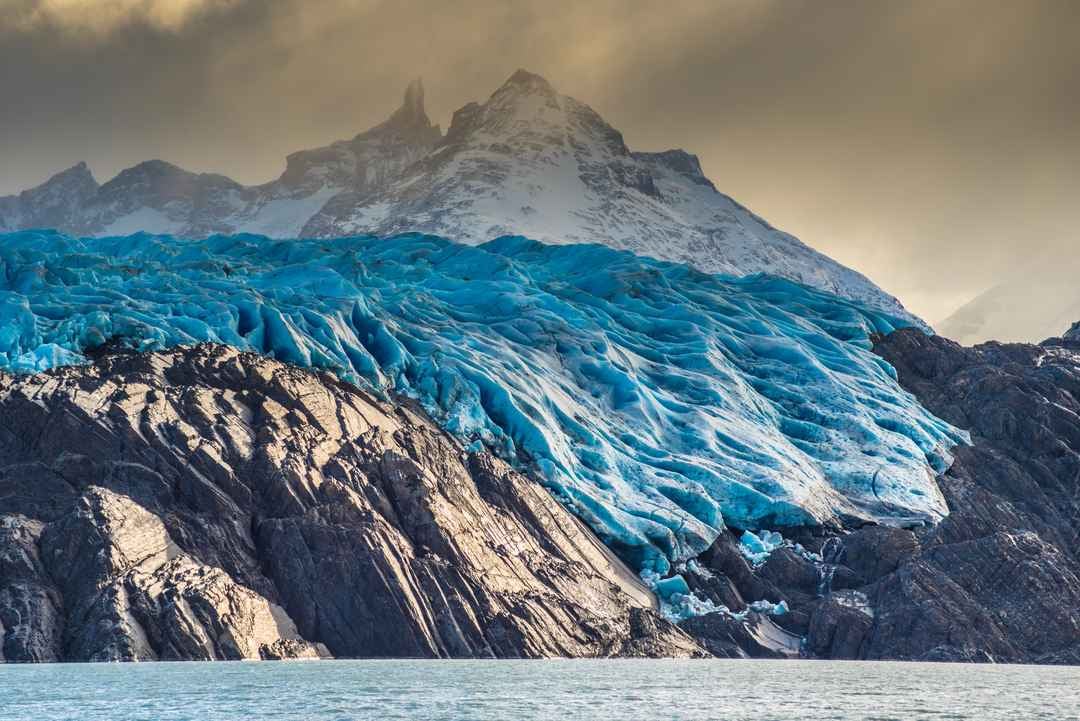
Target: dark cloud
[[932, 145]]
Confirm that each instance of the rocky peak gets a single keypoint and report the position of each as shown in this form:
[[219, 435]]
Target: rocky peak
[[410, 120], [414, 99], [523, 80], [1073, 333], [525, 99], [527, 116], [462, 123], [147, 171], [677, 159], [155, 182], [56, 202], [75, 181], [374, 157], [76, 173]]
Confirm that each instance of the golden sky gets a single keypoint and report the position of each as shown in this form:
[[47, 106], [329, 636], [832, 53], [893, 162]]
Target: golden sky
[[933, 145]]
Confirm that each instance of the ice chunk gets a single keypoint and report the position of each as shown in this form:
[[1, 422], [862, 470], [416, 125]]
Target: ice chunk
[[770, 608], [681, 606], [667, 587], [756, 547]]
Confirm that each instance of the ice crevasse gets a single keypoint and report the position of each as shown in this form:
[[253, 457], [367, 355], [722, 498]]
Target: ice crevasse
[[656, 401]]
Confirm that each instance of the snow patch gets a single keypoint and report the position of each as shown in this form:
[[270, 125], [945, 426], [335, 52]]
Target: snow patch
[[286, 217], [143, 220]]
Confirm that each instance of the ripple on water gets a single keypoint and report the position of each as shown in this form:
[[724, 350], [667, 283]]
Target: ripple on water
[[542, 690]]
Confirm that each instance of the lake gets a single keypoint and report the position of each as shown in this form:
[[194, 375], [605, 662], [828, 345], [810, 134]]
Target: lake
[[626, 690]]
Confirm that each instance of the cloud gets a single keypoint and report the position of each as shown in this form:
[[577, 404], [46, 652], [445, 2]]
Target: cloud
[[99, 18], [929, 144]]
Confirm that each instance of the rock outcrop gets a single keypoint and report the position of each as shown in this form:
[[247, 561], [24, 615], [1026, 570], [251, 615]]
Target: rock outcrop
[[203, 503], [1000, 577], [996, 580]]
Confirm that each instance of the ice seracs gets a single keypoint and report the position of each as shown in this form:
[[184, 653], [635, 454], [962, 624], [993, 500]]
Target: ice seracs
[[656, 401], [527, 161]]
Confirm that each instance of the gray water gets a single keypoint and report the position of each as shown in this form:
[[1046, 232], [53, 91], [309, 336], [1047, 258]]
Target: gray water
[[550, 690]]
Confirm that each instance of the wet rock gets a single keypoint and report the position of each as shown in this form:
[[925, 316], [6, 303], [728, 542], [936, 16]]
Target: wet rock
[[724, 559], [839, 627], [749, 635], [791, 572], [203, 503], [725, 636], [875, 551]]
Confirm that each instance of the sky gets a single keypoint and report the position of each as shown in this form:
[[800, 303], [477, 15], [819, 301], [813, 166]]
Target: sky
[[931, 145]]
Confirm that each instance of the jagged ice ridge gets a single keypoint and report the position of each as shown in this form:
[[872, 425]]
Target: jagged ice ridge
[[658, 402]]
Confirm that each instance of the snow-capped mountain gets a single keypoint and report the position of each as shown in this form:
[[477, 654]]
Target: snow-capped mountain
[[527, 161]]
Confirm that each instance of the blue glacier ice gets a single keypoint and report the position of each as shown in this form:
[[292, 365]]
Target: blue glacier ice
[[656, 401], [757, 547]]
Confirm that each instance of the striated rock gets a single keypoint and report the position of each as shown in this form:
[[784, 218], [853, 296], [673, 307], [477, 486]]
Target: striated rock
[[753, 636], [1000, 577], [31, 615], [871, 552], [203, 503]]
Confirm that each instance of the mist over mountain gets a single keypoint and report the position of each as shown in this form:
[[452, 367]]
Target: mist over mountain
[[1039, 301], [527, 161]]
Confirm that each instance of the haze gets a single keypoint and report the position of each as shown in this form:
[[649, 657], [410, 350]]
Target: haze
[[931, 145]]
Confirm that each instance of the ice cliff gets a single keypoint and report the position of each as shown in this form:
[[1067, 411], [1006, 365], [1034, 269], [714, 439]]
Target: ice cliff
[[657, 402]]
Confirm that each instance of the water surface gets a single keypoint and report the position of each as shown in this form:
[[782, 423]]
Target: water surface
[[550, 690]]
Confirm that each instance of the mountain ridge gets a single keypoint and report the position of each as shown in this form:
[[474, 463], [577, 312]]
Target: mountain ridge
[[527, 161]]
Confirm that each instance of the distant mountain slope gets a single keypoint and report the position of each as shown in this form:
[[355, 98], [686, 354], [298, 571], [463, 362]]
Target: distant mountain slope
[[527, 161], [1041, 306]]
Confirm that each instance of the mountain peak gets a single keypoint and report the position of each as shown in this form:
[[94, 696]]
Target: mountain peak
[[411, 114], [80, 171], [525, 161], [413, 104], [524, 79], [411, 118], [77, 178]]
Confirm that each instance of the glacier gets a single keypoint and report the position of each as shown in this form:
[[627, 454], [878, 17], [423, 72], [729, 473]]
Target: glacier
[[656, 401]]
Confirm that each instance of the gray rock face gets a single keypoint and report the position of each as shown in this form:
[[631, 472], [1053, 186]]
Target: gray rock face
[[999, 578], [527, 161], [203, 503]]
